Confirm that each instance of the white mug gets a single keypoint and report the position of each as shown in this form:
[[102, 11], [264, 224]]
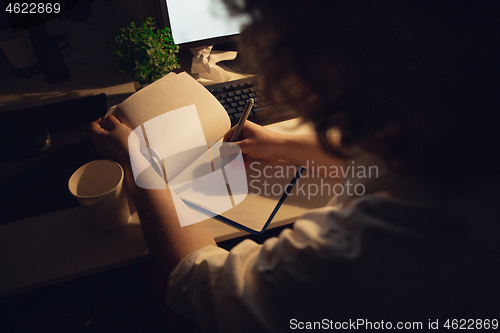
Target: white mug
[[98, 186]]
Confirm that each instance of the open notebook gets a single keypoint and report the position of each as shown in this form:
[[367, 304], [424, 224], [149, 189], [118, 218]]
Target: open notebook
[[178, 129]]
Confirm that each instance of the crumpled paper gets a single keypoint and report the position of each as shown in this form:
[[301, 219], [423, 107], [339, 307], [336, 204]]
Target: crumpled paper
[[204, 65]]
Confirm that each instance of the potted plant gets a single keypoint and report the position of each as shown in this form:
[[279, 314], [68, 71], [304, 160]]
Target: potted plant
[[145, 53]]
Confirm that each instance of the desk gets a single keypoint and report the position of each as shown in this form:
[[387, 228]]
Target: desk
[[66, 244]]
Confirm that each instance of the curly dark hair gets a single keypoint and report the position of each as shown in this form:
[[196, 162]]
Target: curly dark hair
[[413, 81]]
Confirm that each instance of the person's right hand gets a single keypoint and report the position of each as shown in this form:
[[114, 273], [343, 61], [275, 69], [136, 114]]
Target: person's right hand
[[255, 141]]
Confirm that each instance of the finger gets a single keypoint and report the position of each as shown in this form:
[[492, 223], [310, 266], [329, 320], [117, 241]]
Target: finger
[[111, 118], [248, 131], [96, 127], [107, 124], [229, 134], [98, 121], [110, 122], [229, 148]]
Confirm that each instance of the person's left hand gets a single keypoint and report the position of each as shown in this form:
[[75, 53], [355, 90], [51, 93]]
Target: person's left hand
[[110, 137]]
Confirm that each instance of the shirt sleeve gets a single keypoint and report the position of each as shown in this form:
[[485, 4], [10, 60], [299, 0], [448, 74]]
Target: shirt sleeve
[[253, 287]]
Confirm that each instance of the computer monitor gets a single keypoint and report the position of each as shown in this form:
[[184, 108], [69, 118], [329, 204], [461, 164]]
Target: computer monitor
[[198, 22]]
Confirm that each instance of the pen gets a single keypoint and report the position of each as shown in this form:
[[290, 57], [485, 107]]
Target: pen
[[239, 127]]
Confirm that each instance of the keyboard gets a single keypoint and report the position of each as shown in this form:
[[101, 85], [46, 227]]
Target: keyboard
[[233, 96]]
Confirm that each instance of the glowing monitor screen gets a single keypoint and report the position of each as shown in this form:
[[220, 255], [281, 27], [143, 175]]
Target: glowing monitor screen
[[198, 21]]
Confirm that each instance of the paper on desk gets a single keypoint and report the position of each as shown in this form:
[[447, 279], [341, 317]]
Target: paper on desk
[[172, 92], [204, 65]]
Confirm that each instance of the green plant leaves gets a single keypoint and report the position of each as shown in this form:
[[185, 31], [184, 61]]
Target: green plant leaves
[[145, 53]]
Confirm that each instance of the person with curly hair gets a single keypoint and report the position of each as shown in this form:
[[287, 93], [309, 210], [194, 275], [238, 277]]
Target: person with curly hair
[[410, 87]]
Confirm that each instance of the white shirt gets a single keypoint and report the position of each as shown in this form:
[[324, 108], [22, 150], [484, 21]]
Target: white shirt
[[376, 258]]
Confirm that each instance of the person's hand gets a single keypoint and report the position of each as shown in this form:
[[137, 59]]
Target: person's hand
[[255, 141], [110, 137]]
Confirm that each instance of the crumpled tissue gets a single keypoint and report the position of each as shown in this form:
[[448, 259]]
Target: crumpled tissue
[[204, 65]]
